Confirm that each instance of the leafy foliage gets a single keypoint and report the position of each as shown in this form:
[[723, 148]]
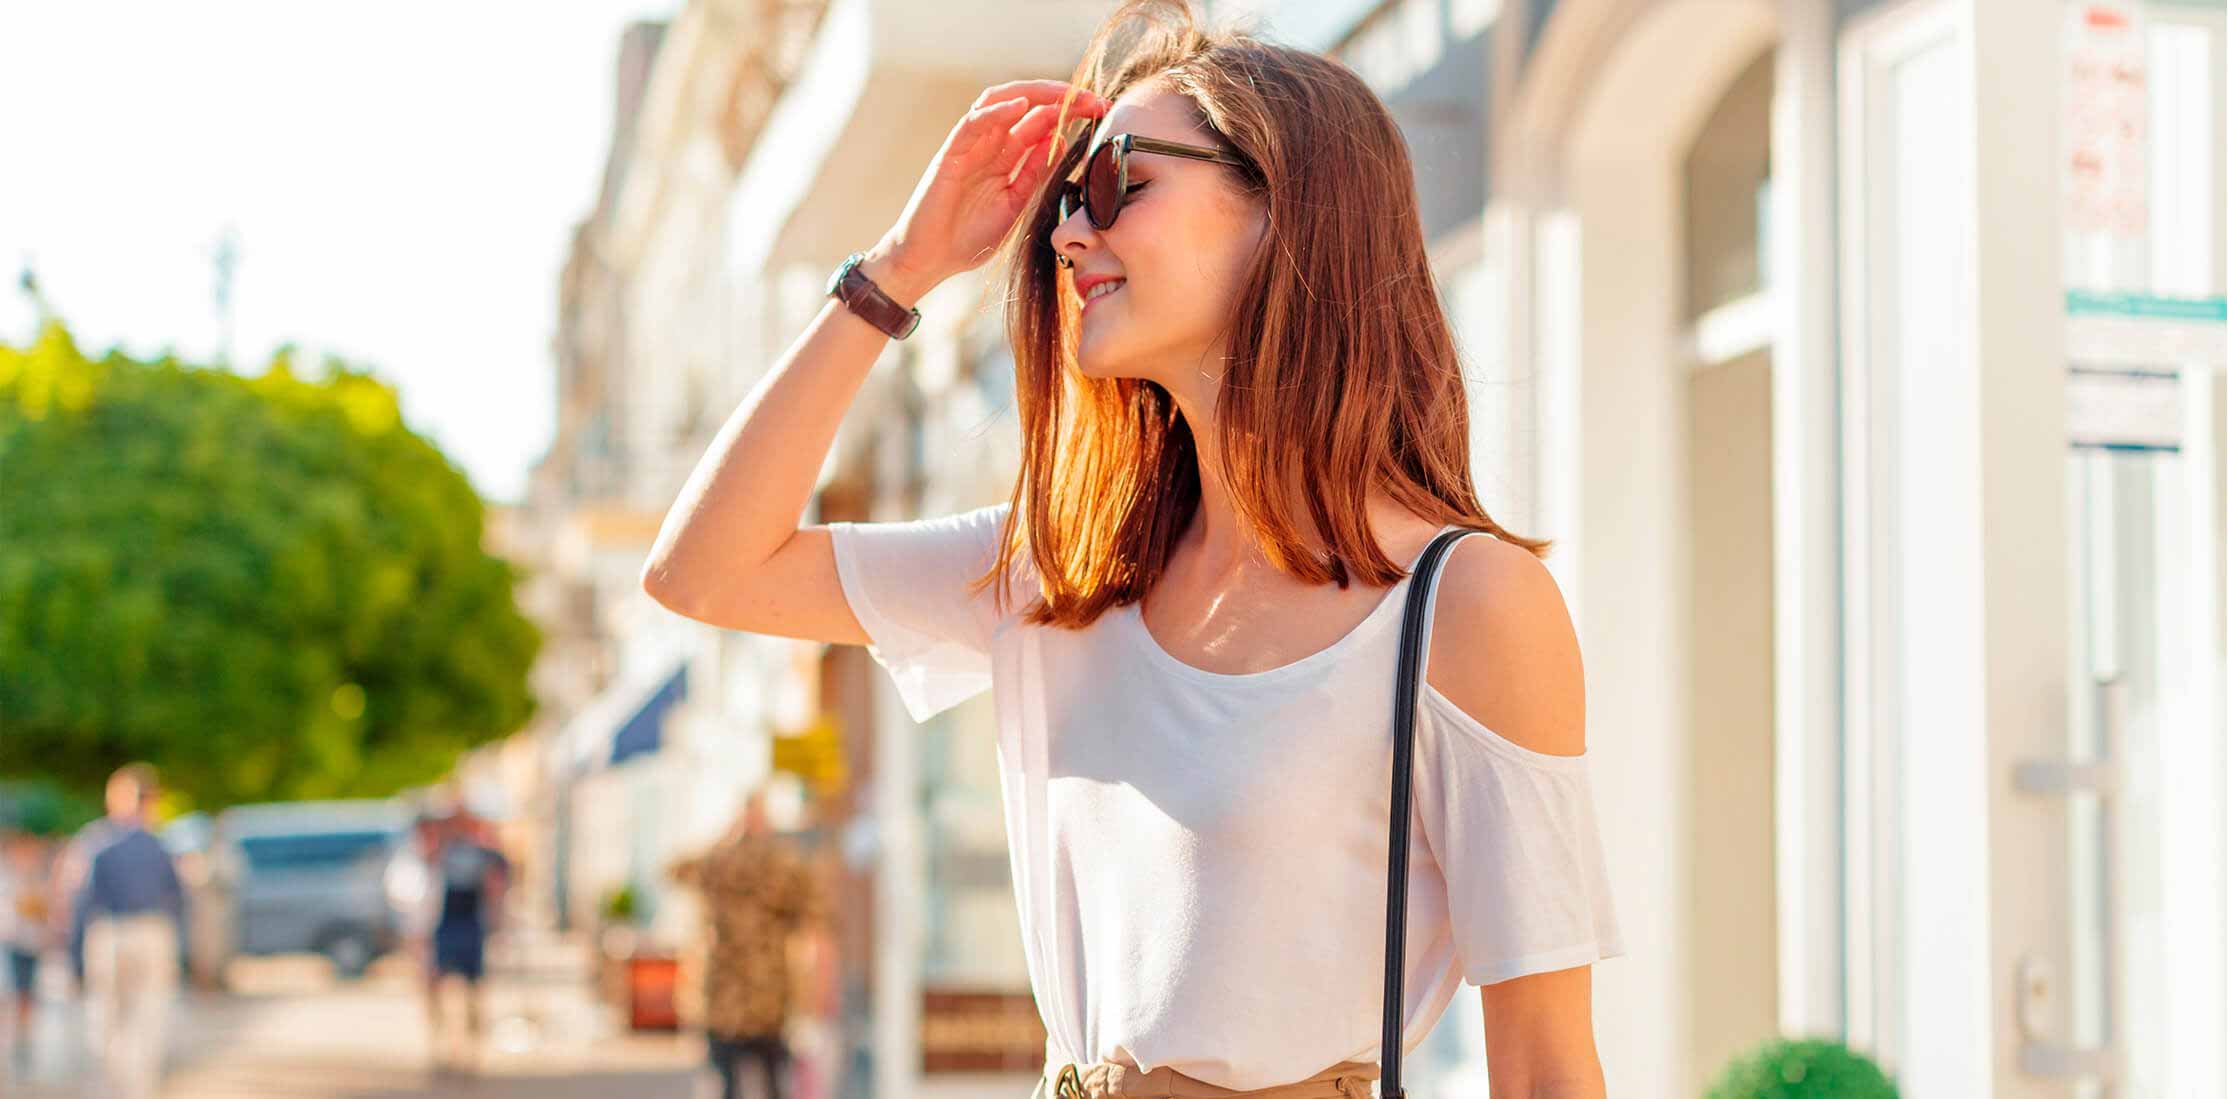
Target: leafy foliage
[[1807, 1068], [269, 587]]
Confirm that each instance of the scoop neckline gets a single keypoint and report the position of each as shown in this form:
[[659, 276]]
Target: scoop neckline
[[1379, 616]]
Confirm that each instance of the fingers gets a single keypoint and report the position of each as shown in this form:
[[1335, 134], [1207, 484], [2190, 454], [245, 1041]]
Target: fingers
[[1015, 115], [1035, 164], [1033, 127], [981, 132], [1043, 91], [1032, 145]]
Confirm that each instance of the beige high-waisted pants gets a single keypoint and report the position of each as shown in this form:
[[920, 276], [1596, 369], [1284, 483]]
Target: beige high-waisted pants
[[131, 976], [1344, 1080]]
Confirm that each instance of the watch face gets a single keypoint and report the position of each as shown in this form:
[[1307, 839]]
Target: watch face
[[836, 280]]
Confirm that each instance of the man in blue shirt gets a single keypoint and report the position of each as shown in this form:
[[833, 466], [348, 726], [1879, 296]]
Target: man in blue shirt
[[125, 917]]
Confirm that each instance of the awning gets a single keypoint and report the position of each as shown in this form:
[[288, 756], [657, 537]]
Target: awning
[[644, 730], [628, 718]]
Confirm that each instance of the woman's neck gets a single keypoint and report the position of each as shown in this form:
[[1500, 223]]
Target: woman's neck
[[1217, 545]]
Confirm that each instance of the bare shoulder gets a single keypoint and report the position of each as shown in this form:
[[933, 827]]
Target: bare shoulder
[[1504, 649]]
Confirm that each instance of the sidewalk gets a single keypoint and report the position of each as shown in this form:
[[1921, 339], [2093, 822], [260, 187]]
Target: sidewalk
[[288, 1029]]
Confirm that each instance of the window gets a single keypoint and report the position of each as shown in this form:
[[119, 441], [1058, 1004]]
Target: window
[[313, 851]]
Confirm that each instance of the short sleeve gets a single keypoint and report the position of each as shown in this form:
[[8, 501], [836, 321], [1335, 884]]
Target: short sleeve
[[907, 583], [1515, 835]]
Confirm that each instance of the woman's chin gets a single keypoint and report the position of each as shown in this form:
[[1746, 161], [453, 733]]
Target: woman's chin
[[1109, 352], [1105, 362], [1096, 360]]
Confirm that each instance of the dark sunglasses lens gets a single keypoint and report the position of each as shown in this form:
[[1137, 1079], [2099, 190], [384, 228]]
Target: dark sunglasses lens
[[1102, 186]]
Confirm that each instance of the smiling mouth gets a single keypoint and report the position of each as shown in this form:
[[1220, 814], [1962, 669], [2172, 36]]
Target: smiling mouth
[[1103, 290]]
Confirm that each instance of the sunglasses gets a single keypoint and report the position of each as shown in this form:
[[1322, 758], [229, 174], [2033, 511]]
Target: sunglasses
[[1104, 186]]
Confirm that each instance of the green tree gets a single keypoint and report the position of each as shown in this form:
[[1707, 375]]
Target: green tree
[[269, 587]]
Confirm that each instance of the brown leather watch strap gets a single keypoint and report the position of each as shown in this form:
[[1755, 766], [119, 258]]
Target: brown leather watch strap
[[852, 287]]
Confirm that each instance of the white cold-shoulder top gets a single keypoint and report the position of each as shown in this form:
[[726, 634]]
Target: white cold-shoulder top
[[1199, 857]]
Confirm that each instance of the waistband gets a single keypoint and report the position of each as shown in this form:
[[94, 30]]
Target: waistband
[[1344, 1080]]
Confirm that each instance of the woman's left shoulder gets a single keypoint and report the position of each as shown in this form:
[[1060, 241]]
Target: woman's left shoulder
[[1504, 649]]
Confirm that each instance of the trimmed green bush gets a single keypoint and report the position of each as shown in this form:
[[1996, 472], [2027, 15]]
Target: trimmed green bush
[[1802, 1068]]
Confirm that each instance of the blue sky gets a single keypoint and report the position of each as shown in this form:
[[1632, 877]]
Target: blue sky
[[403, 178]]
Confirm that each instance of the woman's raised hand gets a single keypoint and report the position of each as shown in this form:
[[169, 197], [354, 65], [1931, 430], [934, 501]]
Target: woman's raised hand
[[991, 163]]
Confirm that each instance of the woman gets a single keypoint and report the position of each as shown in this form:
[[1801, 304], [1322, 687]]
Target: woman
[[1242, 421]]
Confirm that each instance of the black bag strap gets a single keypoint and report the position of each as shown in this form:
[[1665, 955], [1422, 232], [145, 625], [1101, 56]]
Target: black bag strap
[[1414, 632]]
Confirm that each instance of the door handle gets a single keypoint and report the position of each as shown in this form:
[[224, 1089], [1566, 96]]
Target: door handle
[[2037, 987]]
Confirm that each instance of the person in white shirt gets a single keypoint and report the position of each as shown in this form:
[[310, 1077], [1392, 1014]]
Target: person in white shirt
[[1242, 420]]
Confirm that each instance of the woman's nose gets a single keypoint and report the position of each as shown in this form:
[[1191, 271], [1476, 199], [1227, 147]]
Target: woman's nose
[[1072, 234]]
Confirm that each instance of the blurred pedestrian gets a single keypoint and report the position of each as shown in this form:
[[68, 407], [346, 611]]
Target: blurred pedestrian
[[759, 890], [125, 920], [467, 876], [25, 934]]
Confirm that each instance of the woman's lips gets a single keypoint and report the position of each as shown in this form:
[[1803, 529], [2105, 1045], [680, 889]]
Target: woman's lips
[[1089, 301]]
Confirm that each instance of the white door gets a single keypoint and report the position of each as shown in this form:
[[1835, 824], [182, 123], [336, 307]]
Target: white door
[[2035, 908], [2144, 771]]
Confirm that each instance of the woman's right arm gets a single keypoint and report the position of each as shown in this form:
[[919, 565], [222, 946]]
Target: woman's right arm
[[731, 552]]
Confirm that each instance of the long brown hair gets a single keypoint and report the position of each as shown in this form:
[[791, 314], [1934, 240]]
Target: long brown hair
[[1342, 378]]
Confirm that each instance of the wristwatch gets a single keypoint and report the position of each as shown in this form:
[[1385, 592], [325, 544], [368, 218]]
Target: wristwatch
[[851, 286]]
